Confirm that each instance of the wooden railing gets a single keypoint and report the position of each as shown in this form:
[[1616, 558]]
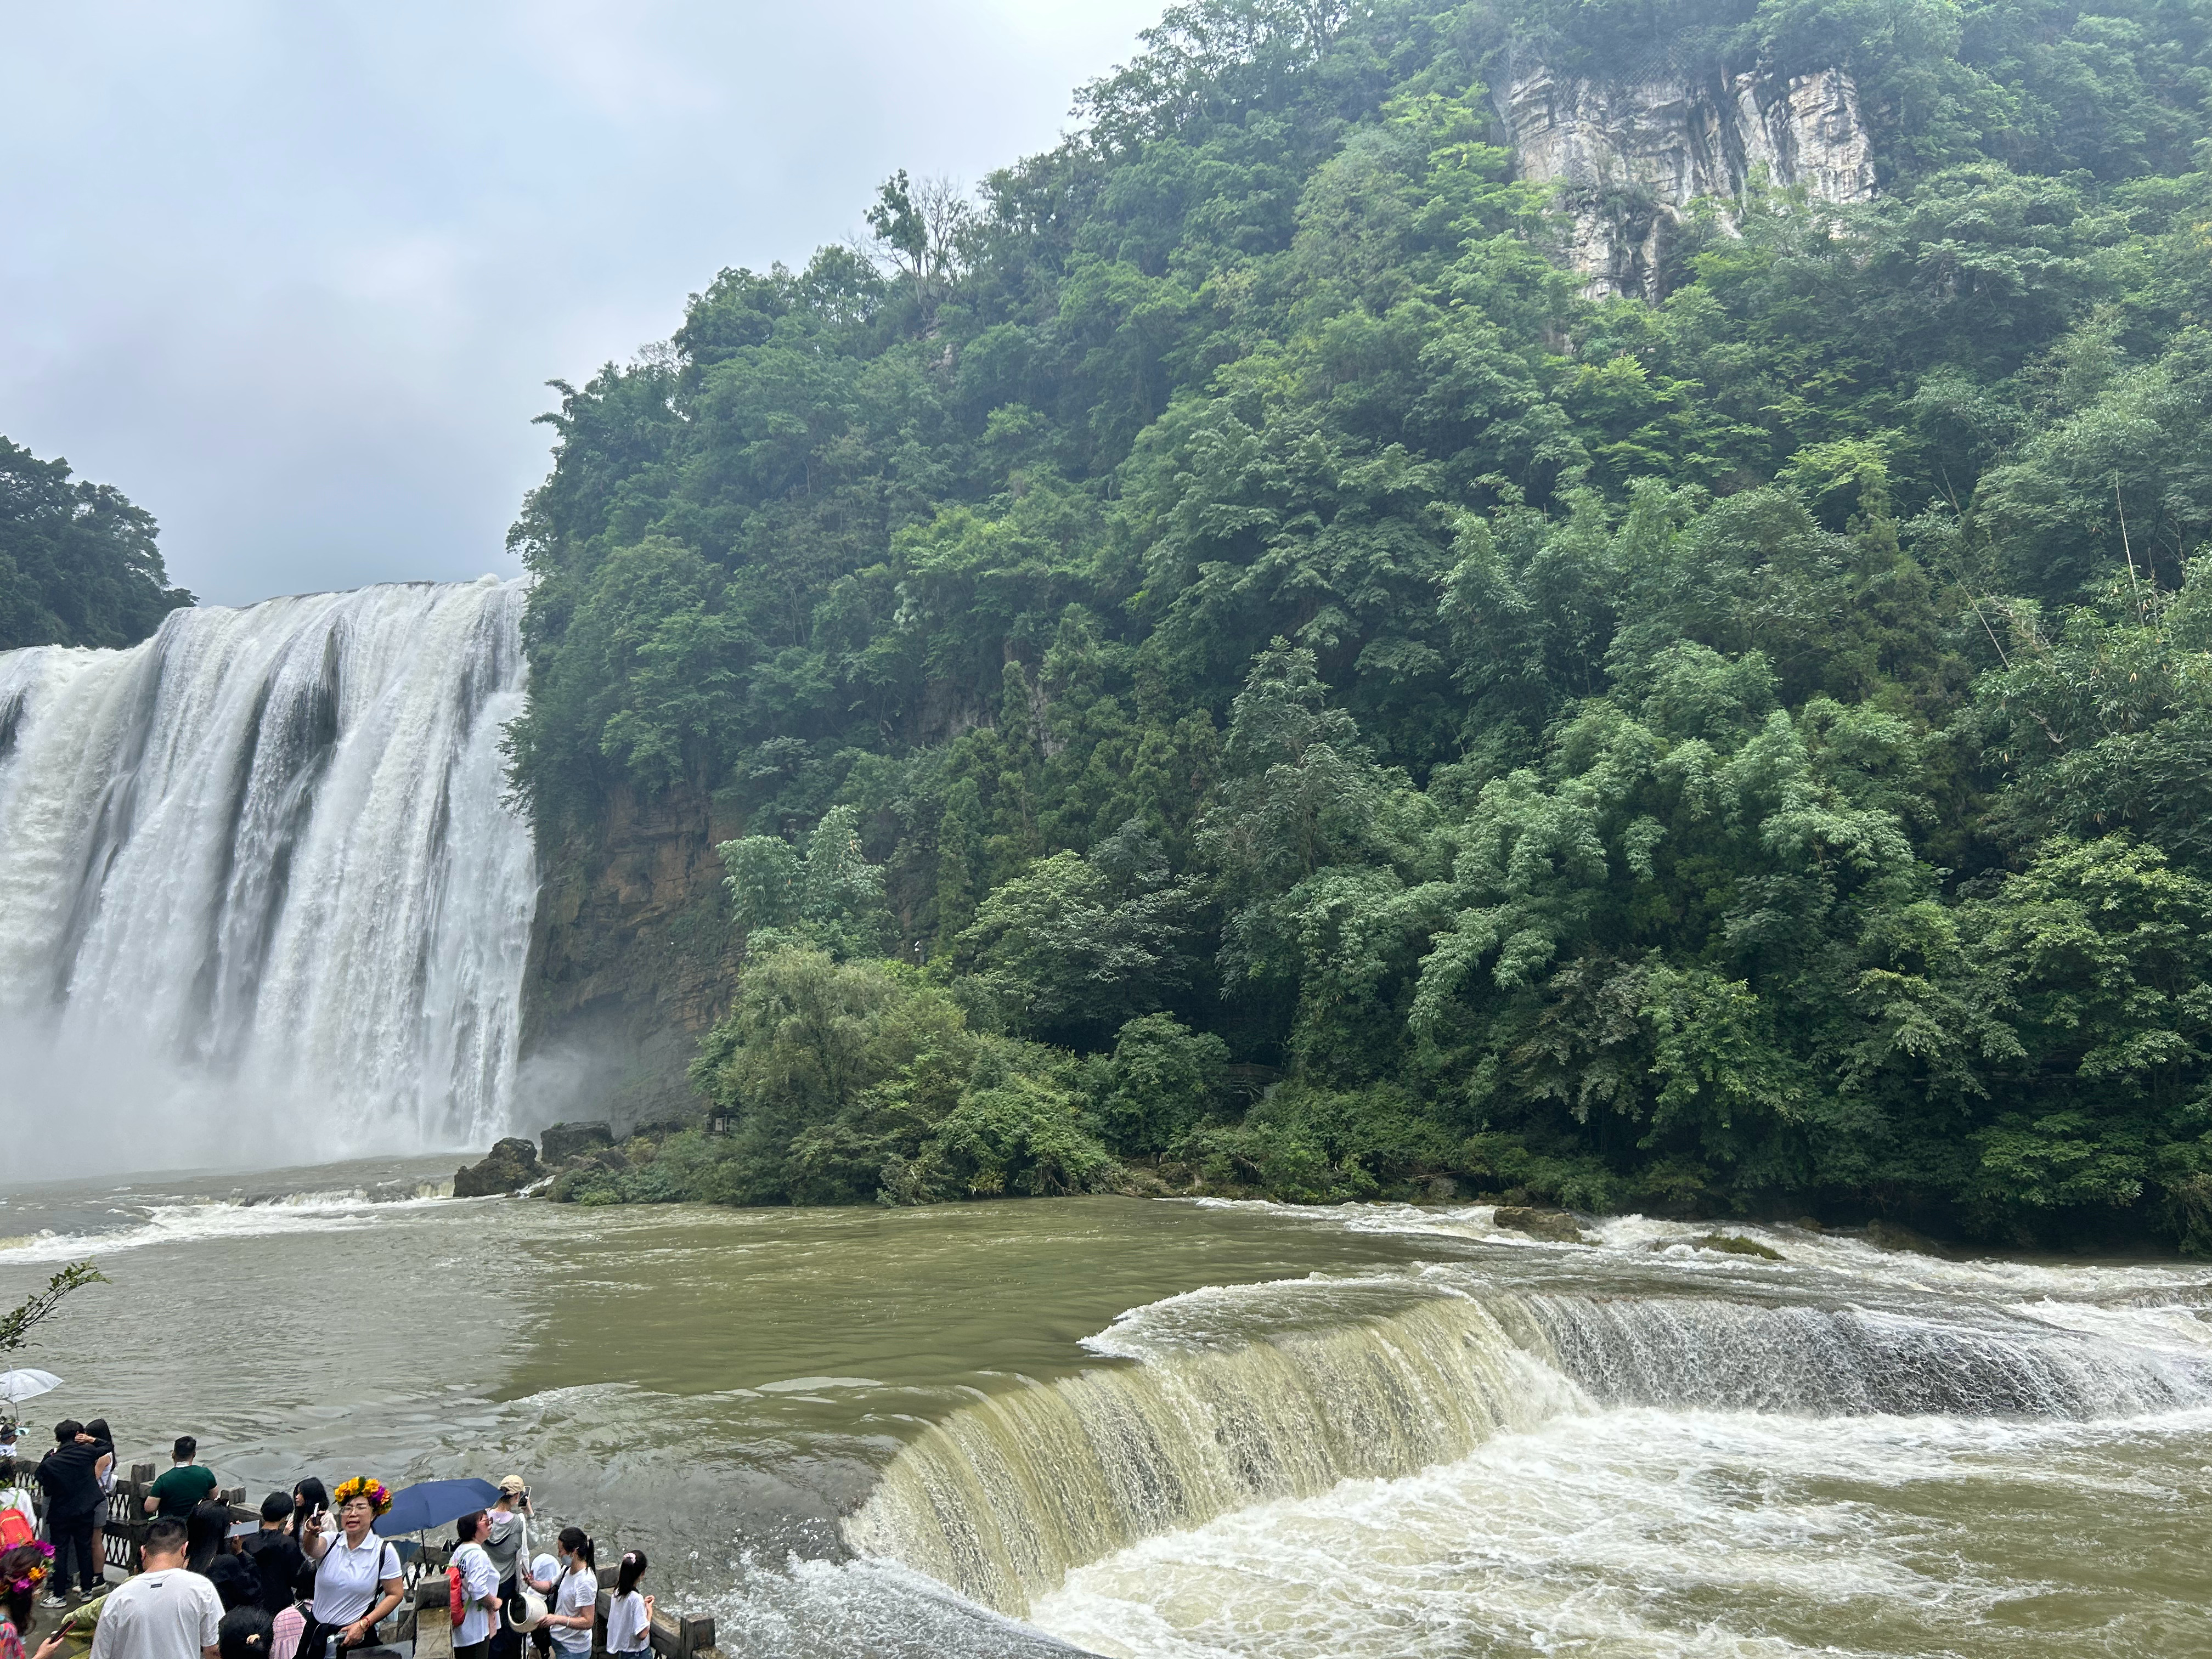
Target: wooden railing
[[123, 1532]]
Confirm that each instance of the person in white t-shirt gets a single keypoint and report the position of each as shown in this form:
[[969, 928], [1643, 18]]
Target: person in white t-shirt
[[576, 1599], [165, 1612], [479, 1588], [357, 1582], [629, 1615]]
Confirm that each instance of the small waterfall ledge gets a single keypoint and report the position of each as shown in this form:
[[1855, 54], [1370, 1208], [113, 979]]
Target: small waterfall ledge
[[259, 886], [1007, 1495]]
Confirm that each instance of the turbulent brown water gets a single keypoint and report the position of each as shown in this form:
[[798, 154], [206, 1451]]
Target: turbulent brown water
[[1185, 1429]]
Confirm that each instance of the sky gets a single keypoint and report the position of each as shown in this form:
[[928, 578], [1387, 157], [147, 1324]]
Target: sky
[[293, 276]]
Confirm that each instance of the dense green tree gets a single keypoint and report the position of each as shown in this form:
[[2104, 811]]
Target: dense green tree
[[1226, 603], [78, 563]]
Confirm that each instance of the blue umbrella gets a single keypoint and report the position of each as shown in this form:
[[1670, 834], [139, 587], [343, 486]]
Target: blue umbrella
[[428, 1504]]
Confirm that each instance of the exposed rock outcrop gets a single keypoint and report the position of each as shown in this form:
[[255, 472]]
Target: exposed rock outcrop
[[511, 1166], [1736, 1244], [1553, 1226], [632, 959], [1629, 155], [1888, 1236], [564, 1141]]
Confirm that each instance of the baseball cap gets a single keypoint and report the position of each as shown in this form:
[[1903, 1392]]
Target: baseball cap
[[513, 1483]]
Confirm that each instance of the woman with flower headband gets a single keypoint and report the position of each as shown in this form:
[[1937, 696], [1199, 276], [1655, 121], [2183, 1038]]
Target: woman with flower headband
[[22, 1570], [358, 1580]]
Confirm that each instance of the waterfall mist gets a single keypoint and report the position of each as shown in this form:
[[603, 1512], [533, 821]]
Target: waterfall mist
[[261, 900]]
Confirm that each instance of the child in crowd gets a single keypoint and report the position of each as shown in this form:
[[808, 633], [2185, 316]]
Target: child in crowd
[[629, 1615]]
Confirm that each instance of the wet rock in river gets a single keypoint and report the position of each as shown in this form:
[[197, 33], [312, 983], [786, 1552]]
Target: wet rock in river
[[513, 1165], [1888, 1236], [1553, 1226], [1734, 1244]]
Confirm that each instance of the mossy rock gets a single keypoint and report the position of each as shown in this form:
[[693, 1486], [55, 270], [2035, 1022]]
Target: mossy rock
[[1732, 1244], [564, 1141], [1553, 1226]]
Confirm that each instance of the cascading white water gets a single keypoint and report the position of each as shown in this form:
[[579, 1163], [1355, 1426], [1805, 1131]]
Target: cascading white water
[[261, 897], [1250, 1395]]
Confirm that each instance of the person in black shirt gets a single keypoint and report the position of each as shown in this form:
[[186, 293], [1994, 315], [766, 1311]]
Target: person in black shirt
[[276, 1554], [70, 1476]]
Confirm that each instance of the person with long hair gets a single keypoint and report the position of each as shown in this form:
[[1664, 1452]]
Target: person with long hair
[[22, 1570], [629, 1615], [358, 1580], [207, 1535], [101, 1439], [575, 1602], [310, 1508]]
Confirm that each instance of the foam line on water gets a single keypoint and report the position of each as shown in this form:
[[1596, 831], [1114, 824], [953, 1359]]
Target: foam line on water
[[217, 1219], [1842, 1255]]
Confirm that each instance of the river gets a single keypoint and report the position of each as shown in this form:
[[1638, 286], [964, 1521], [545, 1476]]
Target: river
[[1189, 1429]]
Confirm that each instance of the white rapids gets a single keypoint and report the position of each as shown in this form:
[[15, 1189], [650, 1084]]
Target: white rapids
[[1643, 1448], [261, 895]]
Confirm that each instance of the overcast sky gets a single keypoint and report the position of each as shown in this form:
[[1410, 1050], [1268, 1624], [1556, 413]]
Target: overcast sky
[[291, 273]]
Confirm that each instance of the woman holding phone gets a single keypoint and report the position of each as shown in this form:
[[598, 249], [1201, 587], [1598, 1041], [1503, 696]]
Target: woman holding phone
[[576, 1599], [357, 1582]]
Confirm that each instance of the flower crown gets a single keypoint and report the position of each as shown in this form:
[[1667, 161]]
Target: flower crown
[[362, 1485], [36, 1575]]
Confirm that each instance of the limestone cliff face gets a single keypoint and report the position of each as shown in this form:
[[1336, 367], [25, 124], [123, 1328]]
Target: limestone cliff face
[[1629, 155], [632, 959]]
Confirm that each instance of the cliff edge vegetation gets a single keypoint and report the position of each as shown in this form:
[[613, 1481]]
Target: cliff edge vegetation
[[1228, 658], [78, 563]]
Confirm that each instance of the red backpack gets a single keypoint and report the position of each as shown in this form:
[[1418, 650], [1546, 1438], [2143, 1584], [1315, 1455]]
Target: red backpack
[[15, 1529], [456, 1599]]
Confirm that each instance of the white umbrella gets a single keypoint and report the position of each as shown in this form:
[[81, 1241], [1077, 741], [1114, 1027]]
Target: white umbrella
[[16, 1387]]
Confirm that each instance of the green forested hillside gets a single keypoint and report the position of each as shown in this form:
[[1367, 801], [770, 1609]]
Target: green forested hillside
[[78, 565], [1220, 609]]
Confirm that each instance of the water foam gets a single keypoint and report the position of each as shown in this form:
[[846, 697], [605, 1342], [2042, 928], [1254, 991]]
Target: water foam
[[223, 1218], [1658, 1533], [1250, 1397]]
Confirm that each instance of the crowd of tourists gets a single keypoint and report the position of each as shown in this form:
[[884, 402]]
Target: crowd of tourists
[[309, 1579]]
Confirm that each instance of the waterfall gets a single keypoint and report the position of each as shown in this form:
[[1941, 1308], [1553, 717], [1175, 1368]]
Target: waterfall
[[1001, 1499], [261, 899], [1012, 1491]]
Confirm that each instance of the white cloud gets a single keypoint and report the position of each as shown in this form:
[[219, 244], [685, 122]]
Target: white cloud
[[292, 277]]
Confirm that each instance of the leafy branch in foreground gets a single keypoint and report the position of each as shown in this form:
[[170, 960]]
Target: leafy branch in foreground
[[17, 1325]]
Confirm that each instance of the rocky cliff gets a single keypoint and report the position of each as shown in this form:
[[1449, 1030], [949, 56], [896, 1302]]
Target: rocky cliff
[[1629, 155], [631, 961]]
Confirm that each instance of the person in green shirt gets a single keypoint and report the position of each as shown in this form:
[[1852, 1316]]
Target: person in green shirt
[[185, 1487]]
